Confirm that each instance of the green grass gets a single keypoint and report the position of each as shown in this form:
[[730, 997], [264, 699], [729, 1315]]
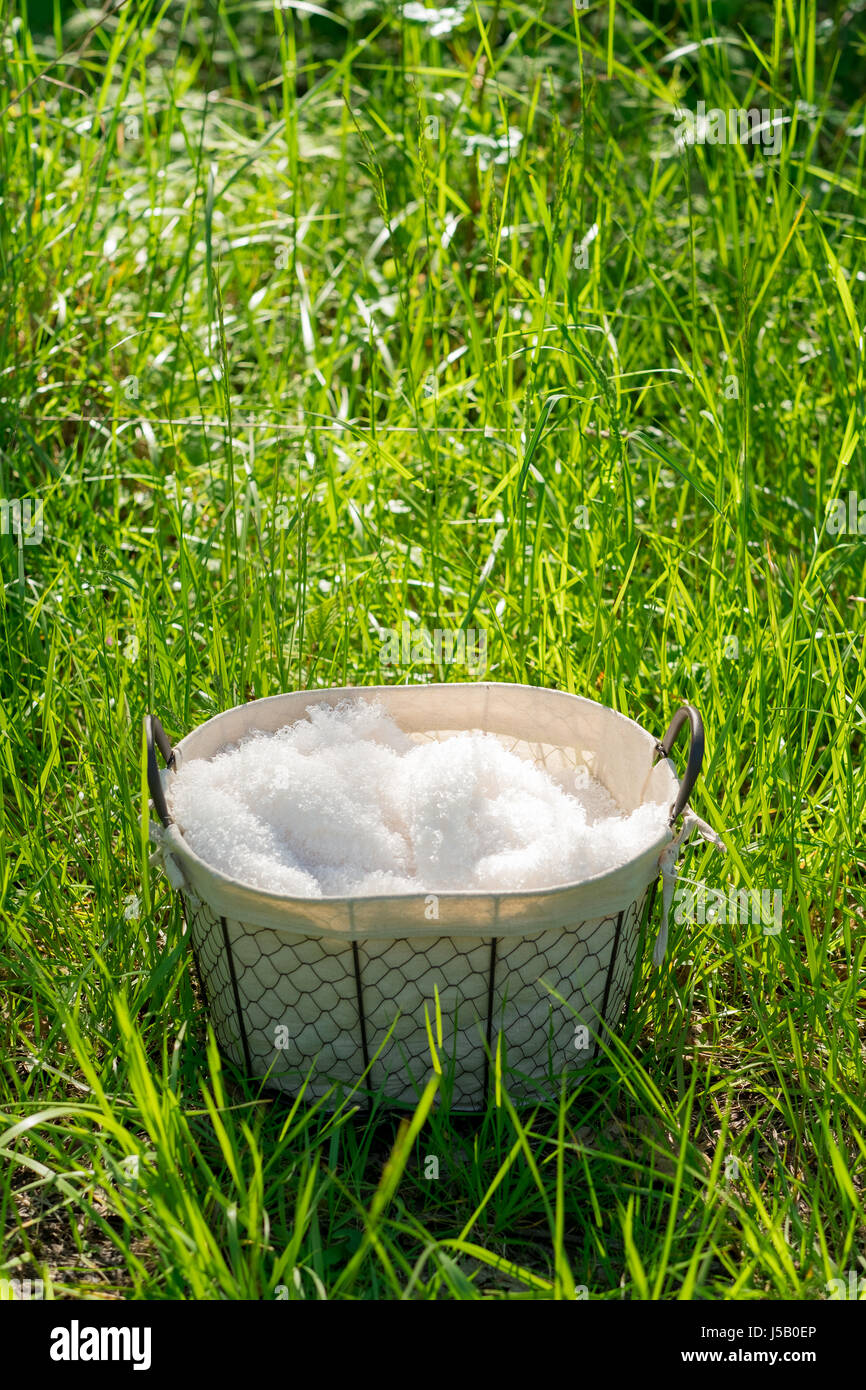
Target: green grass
[[289, 357]]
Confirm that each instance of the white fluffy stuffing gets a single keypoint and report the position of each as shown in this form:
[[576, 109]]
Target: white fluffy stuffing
[[345, 803]]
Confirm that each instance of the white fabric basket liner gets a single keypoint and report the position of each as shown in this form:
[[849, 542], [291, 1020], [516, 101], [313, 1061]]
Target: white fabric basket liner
[[335, 972]]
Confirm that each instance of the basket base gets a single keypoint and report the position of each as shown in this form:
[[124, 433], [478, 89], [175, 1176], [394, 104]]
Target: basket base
[[296, 1014]]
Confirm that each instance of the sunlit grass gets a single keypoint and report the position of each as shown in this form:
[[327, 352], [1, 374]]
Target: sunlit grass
[[298, 343]]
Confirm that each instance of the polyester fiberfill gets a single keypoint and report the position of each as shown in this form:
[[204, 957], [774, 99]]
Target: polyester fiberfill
[[344, 803]]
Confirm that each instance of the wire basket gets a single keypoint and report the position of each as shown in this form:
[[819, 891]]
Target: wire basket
[[374, 992]]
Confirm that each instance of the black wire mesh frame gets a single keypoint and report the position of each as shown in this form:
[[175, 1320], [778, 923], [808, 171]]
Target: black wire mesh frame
[[237, 994], [491, 978], [603, 1023], [362, 1018], [646, 918], [195, 960]]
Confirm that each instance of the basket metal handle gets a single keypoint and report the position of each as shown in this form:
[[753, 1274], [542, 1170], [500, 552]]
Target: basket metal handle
[[155, 733], [685, 713]]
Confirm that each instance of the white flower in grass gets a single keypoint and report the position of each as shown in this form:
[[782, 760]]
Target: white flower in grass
[[131, 1166], [131, 908], [438, 22], [494, 149]]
